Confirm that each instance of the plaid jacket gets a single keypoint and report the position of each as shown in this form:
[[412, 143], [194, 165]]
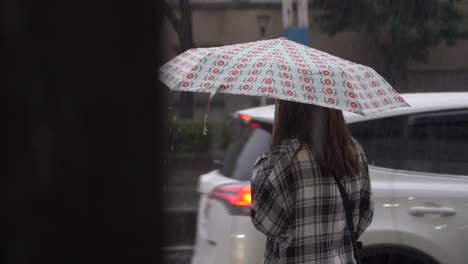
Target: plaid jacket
[[300, 210]]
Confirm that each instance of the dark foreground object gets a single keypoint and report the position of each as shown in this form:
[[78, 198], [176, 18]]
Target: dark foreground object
[[83, 136]]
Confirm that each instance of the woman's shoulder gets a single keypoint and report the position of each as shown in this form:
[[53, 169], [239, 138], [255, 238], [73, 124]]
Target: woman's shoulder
[[289, 142], [269, 158], [291, 146], [357, 145], [285, 147], [283, 152], [297, 153]]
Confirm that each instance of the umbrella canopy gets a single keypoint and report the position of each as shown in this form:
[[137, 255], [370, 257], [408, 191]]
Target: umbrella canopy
[[282, 69]]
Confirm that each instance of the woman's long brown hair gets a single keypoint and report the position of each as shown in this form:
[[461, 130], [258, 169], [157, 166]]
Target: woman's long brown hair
[[323, 130]]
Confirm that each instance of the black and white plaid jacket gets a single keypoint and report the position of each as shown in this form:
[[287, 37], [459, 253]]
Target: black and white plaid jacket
[[300, 210]]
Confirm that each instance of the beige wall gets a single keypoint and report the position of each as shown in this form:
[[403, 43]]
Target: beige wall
[[446, 57], [224, 27], [216, 27]]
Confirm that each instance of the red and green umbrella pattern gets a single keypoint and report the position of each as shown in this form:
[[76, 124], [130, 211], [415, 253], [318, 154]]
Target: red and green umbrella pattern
[[283, 69]]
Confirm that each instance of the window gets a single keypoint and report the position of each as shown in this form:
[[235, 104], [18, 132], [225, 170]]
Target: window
[[247, 145], [382, 140], [438, 142], [435, 142]]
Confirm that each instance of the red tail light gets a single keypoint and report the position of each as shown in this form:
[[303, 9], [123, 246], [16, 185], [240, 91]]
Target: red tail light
[[237, 198], [245, 117], [255, 125]]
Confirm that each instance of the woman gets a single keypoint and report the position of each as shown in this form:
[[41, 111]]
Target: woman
[[295, 200]]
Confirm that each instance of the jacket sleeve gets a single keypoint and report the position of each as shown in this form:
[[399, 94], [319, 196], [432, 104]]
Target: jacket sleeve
[[366, 205], [272, 203]]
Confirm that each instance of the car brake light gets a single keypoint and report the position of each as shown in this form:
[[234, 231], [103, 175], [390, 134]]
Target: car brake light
[[255, 125], [245, 117], [236, 197]]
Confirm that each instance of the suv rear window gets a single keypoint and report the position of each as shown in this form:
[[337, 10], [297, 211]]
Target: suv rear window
[[248, 143]]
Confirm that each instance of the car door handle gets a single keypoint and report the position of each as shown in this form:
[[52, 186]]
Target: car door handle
[[422, 210]]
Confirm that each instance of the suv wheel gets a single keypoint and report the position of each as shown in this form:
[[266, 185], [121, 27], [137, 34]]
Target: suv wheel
[[394, 255]]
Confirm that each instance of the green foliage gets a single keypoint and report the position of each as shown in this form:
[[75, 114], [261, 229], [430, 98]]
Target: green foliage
[[186, 135], [402, 29], [408, 24]]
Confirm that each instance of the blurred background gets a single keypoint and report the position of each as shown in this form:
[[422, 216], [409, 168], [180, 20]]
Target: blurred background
[[419, 46], [83, 108], [426, 54]]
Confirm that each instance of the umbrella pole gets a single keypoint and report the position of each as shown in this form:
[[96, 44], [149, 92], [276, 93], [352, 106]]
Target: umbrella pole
[[205, 129]]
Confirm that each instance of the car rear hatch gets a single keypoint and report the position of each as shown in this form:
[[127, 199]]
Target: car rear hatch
[[228, 188]]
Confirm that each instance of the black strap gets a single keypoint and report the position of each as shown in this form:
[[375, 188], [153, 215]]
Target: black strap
[[349, 219]]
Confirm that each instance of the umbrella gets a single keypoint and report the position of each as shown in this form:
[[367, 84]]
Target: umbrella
[[282, 69]]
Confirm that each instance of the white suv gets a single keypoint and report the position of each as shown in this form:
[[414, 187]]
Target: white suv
[[418, 164]]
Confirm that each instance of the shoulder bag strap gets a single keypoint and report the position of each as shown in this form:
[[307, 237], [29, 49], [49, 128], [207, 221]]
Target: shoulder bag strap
[[349, 219]]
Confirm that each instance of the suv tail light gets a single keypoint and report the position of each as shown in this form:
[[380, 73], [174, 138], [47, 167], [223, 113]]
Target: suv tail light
[[246, 117], [236, 197], [248, 120]]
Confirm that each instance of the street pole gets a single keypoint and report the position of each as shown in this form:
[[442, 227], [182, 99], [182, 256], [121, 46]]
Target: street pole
[[296, 21], [303, 15], [186, 42], [183, 27], [288, 13]]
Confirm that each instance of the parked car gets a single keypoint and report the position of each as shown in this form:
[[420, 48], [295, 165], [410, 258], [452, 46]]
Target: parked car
[[418, 164]]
